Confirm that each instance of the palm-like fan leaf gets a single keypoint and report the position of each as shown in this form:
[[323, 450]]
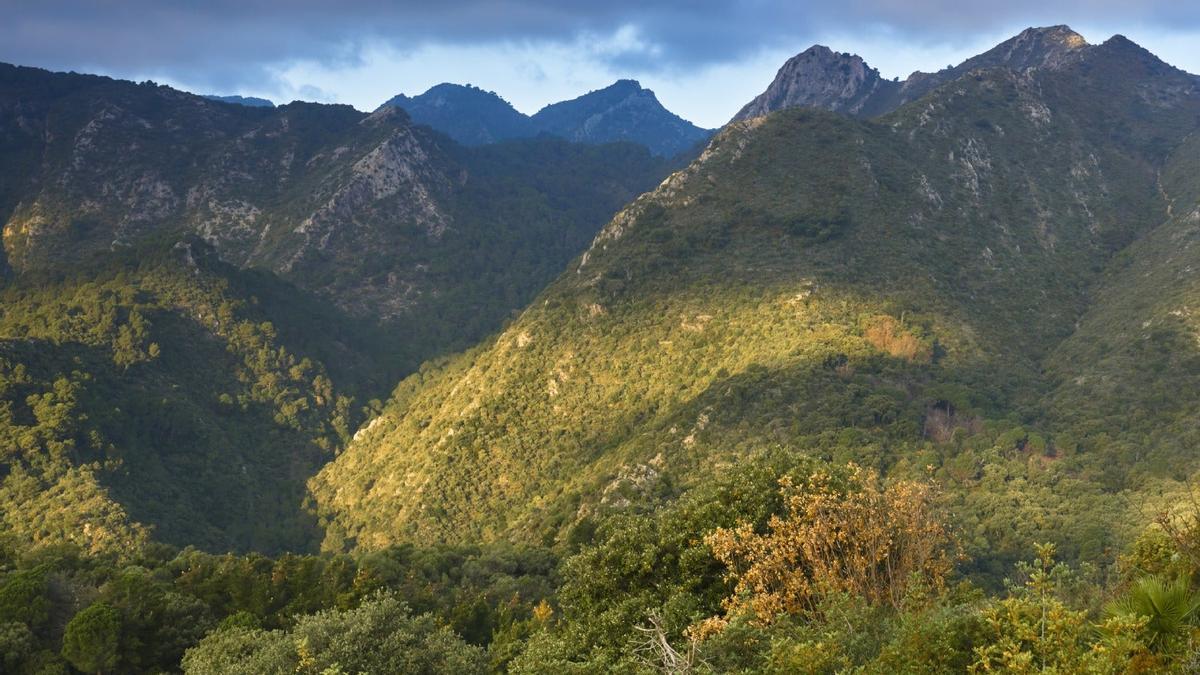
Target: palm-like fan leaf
[[1171, 606]]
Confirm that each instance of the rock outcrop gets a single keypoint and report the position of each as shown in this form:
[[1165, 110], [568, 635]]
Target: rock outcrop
[[821, 78]]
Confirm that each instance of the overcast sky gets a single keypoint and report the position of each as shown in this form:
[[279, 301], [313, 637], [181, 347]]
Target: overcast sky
[[703, 58]]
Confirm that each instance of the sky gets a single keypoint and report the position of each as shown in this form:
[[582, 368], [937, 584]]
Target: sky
[[703, 58]]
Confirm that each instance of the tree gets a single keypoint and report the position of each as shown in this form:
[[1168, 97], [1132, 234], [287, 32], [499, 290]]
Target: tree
[[842, 533], [1033, 630], [92, 637], [380, 636]]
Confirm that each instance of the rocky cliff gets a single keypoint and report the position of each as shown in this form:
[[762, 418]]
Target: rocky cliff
[[822, 78]]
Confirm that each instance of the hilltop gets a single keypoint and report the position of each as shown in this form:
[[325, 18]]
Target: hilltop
[[623, 111]]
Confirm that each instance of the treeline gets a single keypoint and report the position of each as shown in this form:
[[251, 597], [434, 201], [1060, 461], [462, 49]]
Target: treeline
[[419, 610], [782, 563]]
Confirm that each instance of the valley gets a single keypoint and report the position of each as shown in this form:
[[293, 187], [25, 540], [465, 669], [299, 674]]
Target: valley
[[881, 377]]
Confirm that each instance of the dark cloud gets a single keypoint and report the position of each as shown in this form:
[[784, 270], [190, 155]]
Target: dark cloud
[[225, 43]]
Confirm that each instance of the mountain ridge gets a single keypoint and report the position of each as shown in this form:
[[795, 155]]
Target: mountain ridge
[[467, 114], [846, 83], [252, 101], [300, 189], [713, 315], [622, 111]]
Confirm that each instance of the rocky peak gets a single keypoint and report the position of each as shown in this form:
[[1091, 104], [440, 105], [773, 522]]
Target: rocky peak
[[1047, 47], [820, 77], [629, 86], [1121, 47]]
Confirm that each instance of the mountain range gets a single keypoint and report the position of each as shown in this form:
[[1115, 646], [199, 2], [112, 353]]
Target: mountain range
[[623, 111], [402, 243], [575, 398], [871, 289]]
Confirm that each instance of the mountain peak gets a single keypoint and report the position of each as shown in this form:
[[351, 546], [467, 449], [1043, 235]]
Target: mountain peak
[[622, 111], [819, 77], [1120, 43], [248, 101], [1061, 34], [1049, 46], [626, 84], [466, 113], [823, 78]]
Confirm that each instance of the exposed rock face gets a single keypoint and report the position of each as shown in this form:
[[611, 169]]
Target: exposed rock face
[[822, 78], [1053, 47], [1050, 47], [374, 212]]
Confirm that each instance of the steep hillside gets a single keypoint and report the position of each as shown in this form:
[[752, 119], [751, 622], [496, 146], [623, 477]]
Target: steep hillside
[[164, 394], [467, 114], [883, 291], [388, 220], [1125, 380], [822, 78], [819, 77]]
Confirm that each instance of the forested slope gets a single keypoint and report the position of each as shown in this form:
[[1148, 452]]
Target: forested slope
[[887, 291]]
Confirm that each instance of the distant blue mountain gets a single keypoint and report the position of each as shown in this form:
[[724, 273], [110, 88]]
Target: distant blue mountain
[[623, 111], [250, 101], [467, 114]]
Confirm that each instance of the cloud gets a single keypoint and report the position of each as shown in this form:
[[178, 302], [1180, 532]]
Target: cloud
[[231, 43]]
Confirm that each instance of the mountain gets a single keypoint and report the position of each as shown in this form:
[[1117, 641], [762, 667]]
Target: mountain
[[386, 219], [892, 291], [820, 77], [623, 111], [1131, 364], [206, 296], [251, 101], [467, 114], [874, 389]]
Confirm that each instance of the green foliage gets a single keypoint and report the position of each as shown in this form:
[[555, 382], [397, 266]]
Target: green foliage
[[988, 288], [141, 617], [391, 221], [91, 639], [1168, 608], [16, 644], [806, 283], [380, 636], [118, 383], [23, 598]]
